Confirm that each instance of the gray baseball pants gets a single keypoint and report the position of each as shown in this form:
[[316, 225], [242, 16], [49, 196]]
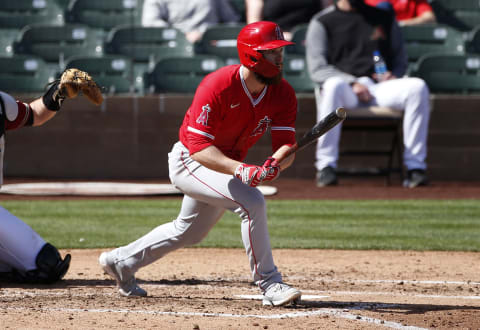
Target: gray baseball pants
[[208, 194]]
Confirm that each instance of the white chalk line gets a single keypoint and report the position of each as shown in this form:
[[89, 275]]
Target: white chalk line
[[346, 293], [388, 281], [331, 312], [315, 295]]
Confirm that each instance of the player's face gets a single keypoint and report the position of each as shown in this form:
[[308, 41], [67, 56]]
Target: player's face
[[274, 56]]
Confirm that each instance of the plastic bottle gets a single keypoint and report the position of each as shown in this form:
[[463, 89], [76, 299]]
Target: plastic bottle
[[380, 66]]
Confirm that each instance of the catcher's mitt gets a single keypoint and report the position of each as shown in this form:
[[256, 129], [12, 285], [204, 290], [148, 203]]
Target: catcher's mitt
[[74, 81]]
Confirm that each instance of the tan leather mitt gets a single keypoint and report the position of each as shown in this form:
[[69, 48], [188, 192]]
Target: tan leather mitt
[[74, 81]]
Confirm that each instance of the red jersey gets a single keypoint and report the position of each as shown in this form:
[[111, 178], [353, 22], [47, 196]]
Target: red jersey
[[405, 9], [224, 114]]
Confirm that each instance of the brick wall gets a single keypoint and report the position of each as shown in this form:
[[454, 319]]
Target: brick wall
[[130, 137]]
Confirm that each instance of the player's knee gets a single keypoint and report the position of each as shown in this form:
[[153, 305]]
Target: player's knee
[[418, 87], [253, 205], [255, 200], [334, 84]]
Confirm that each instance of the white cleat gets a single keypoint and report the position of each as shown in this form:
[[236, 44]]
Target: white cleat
[[128, 287], [280, 294]]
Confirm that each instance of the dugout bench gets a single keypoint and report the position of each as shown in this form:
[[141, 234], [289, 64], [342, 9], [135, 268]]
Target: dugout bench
[[380, 152], [388, 123]]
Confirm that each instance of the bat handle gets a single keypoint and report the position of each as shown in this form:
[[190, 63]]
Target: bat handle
[[341, 112]]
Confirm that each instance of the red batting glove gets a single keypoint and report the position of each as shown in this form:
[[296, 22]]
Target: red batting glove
[[250, 175], [272, 169]]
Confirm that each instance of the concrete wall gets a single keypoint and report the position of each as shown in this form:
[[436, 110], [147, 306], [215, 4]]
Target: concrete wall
[[130, 137]]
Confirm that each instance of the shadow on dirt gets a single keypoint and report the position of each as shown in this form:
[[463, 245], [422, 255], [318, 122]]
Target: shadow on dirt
[[380, 307]]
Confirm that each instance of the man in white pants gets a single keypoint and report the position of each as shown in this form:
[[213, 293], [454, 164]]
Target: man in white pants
[[232, 108], [340, 43]]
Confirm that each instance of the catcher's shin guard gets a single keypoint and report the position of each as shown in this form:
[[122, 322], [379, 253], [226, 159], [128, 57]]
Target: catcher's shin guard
[[50, 268]]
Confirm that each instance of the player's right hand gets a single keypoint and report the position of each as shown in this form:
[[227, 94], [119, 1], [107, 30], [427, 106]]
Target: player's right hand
[[251, 175], [272, 167]]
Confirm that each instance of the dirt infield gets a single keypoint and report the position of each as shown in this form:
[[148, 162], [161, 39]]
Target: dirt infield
[[211, 288]]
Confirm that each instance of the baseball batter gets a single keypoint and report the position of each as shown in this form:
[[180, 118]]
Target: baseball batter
[[24, 254], [232, 108]]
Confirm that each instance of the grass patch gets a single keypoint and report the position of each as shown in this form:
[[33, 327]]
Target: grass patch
[[448, 225]]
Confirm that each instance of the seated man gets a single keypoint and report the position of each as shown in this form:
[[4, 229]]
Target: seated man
[[192, 17], [340, 44]]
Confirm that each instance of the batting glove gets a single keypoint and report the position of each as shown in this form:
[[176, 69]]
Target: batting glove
[[272, 168], [250, 175]]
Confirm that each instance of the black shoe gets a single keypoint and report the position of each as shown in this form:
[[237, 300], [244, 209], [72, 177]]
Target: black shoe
[[415, 178], [327, 177]]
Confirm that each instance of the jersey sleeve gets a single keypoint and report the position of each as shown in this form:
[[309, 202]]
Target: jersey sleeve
[[422, 7], [283, 124], [17, 118], [203, 120]]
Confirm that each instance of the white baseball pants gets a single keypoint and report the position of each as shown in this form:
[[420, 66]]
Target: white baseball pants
[[410, 95], [19, 243], [207, 195]]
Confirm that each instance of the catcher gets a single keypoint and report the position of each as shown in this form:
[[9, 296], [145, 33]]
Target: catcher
[[25, 257]]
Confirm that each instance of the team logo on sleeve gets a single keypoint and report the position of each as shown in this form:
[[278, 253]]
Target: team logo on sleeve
[[203, 118], [262, 126]]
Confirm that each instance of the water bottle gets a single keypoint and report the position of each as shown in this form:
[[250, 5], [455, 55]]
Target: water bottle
[[380, 66]]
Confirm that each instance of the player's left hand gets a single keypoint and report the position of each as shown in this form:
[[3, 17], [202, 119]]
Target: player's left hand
[[272, 169], [251, 175]]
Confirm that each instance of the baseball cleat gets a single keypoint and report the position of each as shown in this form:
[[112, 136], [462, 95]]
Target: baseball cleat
[[327, 177], [280, 294], [415, 178], [126, 287]]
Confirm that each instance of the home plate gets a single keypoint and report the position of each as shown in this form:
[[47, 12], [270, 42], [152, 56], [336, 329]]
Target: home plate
[[100, 189], [260, 297]]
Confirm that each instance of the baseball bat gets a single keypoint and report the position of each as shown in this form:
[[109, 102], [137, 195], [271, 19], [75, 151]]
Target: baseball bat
[[322, 127]]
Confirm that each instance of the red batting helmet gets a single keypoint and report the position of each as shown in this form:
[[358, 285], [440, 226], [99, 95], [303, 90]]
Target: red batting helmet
[[260, 36]]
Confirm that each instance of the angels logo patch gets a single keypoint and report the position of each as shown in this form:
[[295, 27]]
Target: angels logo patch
[[279, 33], [203, 118], [262, 126]]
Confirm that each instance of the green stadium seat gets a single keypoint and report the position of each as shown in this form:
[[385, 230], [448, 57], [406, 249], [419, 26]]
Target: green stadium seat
[[16, 14], [472, 5], [221, 40], [24, 74], [452, 73], [112, 72], [472, 41], [55, 43], [296, 73], [147, 44], [436, 38], [104, 14], [63, 4], [460, 14], [7, 38], [298, 37], [183, 74]]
